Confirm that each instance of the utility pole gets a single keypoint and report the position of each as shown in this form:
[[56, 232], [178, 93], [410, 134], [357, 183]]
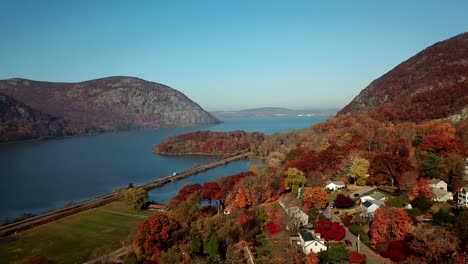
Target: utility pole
[[358, 244]]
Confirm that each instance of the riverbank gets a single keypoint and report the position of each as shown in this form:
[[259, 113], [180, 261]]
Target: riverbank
[[105, 199]]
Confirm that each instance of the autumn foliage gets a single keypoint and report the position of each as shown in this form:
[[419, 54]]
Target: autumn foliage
[[356, 258], [208, 142], [397, 251], [343, 201], [187, 190], [154, 237], [272, 228], [330, 230], [442, 145], [316, 197], [389, 224]]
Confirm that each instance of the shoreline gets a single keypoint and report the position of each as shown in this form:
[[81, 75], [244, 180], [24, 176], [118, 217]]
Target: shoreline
[[54, 215]]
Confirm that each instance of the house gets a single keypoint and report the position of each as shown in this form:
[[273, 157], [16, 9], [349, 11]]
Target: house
[[334, 185], [368, 208], [441, 195], [463, 197], [439, 184], [311, 242], [375, 196], [439, 188], [157, 207], [298, 214]]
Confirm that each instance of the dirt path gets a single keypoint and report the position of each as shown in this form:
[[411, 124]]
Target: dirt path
[[120, 213]]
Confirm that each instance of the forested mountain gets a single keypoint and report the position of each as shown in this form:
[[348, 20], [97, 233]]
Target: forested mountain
[[107, 104], [432, 84], [19, 121]]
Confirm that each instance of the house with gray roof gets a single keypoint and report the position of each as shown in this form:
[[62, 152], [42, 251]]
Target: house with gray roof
[[368, 208], [375, 196], [311, 242]]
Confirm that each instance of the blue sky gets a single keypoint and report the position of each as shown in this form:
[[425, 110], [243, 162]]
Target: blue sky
[[225, 55]]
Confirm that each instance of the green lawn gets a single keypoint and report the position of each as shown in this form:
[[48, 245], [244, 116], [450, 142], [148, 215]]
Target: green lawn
[[75, 238]]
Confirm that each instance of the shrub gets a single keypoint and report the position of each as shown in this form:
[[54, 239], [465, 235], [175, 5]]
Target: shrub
[[272, 228], [343, 201], [346, 219], [355, 257]]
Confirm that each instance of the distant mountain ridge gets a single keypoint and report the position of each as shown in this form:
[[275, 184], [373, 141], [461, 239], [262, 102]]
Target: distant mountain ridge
[[270, 112], [108, 104], [432, 84]]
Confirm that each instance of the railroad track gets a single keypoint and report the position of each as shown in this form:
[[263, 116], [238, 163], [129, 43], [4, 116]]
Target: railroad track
[[48, 217]]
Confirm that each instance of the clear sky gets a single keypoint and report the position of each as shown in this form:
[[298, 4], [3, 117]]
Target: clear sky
[[225, 54]]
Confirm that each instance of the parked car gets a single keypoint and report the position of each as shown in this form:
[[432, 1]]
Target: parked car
[[348, 243]]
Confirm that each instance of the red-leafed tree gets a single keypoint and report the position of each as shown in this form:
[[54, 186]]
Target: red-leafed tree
[[330, 230], [211, 191], [390, 165], [242, 199], [389, 224], [187, 190], [440, 144], [343, 201], [397, 251], [272, 228], [356, 258], [154, 236]]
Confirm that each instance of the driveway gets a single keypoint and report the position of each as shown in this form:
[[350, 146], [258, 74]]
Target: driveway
[[372, 257], [362, 191]]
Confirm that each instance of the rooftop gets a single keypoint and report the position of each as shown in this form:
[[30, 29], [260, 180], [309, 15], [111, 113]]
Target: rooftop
[[306, 235], [377, 195]]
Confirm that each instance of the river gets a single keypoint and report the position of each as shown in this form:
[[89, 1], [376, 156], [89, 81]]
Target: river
[[37, 176]]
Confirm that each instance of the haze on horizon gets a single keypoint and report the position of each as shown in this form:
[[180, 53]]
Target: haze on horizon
[[225, 55]]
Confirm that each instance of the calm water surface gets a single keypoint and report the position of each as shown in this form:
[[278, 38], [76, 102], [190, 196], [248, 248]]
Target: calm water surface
[[42, 175]]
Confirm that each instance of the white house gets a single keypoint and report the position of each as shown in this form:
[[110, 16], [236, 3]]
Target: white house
[[368, 208], [439, 184], [298, 214], [334, 185], [441, 195], [463, 197], [375, 196], [311, 242]]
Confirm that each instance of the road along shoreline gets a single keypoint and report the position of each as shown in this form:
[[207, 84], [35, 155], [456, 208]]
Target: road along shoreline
[[51, 216]]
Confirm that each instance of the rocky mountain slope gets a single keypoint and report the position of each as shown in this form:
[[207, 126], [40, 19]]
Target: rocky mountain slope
[[107, 104], [432, 84], [19, 121]]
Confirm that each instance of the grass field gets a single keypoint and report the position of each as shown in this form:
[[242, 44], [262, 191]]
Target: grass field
[[75, 238]]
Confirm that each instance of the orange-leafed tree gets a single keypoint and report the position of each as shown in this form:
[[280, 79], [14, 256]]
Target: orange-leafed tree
[[422, 188], [154, 236], [317, 197], [442, 145], [312, 258], [242, 198], [389, 224]]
